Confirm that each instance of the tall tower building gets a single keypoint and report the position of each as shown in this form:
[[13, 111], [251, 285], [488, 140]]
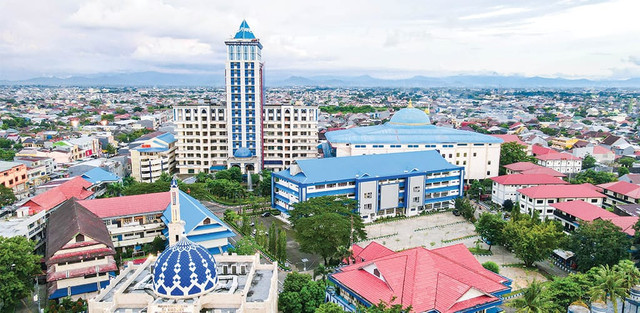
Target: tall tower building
[[176, 226], [243, 76]]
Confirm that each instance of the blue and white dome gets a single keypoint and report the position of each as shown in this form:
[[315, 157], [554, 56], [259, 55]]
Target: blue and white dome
[[410, 117], [184, 270], [242, 152]]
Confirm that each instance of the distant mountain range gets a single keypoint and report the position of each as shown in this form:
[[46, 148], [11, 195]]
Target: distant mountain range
[[283, 80]]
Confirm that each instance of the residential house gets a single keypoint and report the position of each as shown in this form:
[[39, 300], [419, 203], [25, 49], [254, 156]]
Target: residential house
[[51, 199], [13, 175], [561, 162], [531, 168], [630, 178], [620, 192], [600, 153]]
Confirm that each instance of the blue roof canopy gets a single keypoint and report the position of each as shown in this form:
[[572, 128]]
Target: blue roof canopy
[[244, 32], [362, 166], [98, 175]]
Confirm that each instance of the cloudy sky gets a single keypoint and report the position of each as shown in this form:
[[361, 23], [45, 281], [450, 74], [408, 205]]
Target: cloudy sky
[[387, 39]]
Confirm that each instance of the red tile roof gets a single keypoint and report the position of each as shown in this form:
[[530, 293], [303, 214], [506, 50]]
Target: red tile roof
[[544, 170], [510, 138], [528, 179], [73, 188], [371, 251], [424, 279], [583, 210], [128, 205], [522, 166], [540, 150], [561, 191], [557, 156], [624, 222], [624, 188], [601, 150]]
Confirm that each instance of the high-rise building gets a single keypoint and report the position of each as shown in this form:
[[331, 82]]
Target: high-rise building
[[243, 132], [243, 79]]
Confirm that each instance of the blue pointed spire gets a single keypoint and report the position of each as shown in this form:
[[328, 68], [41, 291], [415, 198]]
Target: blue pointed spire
[[174, 182], [244, 32]]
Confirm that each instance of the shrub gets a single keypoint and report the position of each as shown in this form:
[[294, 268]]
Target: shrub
[[492, 266]]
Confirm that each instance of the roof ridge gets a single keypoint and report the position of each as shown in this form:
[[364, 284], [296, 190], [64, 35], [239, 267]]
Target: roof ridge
[[462, 265]]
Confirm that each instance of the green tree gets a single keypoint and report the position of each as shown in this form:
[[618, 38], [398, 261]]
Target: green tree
[[158, 244], [110, 149], [246, 225], [244, 246], [384, 307], [300, 294], [609, 285], [531, 240], [6, 196], [626, 161], [18, 268], [321, 271], [273, 234], [629, 273], [598, 243], [323, 224], [66, 305], [566, 290], [329, 307], [490, 227], [507, 205], [463, 205], [533, 300], [513, 152], [588, 162], [7, 155], [622, 171], [282, 246], [264, 185], [592, 177], [492, 266]]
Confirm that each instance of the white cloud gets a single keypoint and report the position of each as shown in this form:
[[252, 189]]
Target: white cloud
[[591, 38]]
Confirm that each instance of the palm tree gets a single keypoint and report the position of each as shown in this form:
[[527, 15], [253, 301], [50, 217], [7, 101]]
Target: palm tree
[[533, 300], [629, 272], [609, 286], [322, 271]]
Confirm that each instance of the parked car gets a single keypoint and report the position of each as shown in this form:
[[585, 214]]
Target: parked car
[[266, 214], [456, 213]]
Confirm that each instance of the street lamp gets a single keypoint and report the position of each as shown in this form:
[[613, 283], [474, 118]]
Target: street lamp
[[305, 260]]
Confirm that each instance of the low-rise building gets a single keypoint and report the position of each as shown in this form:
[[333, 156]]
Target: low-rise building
[[540, 198], [49, 200], [79, 252], [620, 192], [505, 187], [152, 157], [630, 178], [131, 220], [600, 153], [531, 168], [571, 213], [561, 162], [13, 175], [99, 180], [18, 222], [383, 184], [447, 279]]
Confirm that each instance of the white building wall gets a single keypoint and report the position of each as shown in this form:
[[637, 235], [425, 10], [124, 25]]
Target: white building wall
[[543, 205]]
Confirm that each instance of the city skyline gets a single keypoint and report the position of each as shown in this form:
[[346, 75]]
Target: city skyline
[[566, 39]]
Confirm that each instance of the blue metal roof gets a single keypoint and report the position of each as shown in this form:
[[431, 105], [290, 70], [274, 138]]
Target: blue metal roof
[[162, 143], [244, 32], [192, 212], [98, 175], [407, 127], [242, 152], [363, 166]]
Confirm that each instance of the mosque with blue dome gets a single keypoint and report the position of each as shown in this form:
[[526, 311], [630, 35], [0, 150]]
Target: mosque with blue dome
[[410, 129], [186, 277]]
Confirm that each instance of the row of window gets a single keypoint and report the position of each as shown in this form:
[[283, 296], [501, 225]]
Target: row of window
[[414, 146]]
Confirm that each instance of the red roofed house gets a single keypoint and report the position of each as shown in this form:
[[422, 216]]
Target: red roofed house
[[131, 220], [571, 213], [447, 279], [620, 192], [540, 150], [371, 251], [561, 162], [79, 254], [624, 222], [77, 187], [600, 153], [531, 168], [541, 198], [505, 187]]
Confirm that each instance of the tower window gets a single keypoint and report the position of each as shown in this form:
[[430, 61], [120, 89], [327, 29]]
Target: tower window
[[80, 238]]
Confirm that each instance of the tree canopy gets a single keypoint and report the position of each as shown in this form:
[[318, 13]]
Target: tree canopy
[[532, 240], [592, 177], [6, 196], [513, 152], [588, 162], [300, 294], [323, 224], [598, 243], [490, 227], [18, 268]]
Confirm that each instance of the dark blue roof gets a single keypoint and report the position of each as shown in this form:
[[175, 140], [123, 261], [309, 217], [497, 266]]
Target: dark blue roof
[[244, 32], [363, 166], [242, 152], [185, 270], [192, 212]]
